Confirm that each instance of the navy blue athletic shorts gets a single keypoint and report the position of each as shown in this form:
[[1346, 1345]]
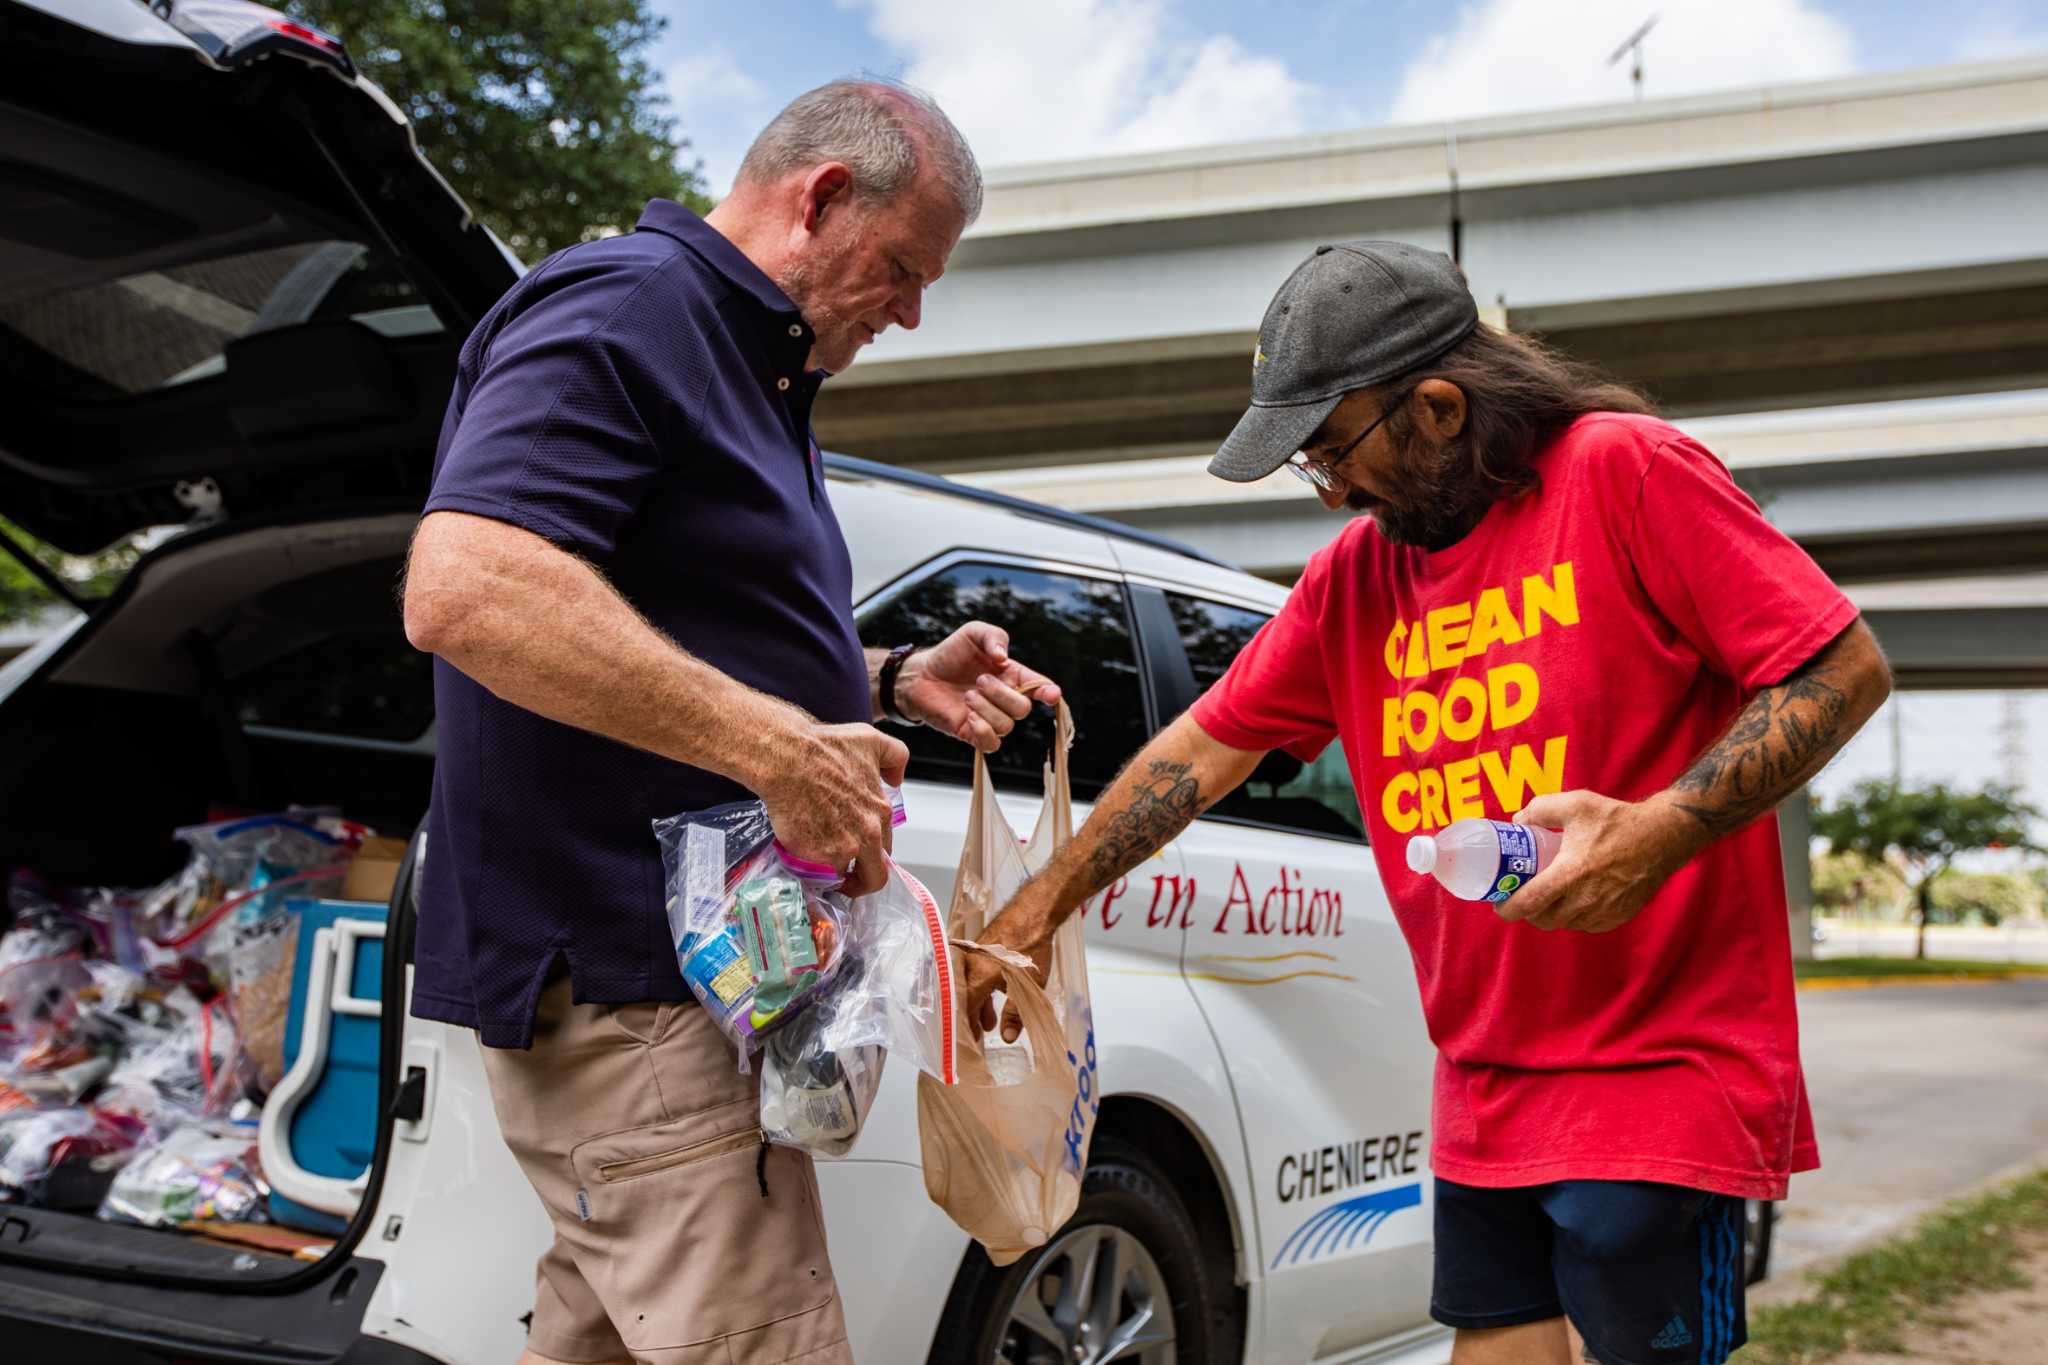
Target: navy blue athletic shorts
[[1649, 1274]]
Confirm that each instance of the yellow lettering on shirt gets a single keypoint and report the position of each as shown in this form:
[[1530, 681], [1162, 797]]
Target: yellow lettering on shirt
[[1556, 599], [1447, 628], [1465, 707], [1521, 779], [1493, 623]]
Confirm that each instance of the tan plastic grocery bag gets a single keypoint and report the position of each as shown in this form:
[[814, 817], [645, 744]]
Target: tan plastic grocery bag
[[1005, 1147]]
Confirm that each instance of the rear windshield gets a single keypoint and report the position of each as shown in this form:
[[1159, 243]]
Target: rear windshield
[[159, 328]]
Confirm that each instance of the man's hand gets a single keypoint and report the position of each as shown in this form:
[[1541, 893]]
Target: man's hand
[[969, 687], [1030, 933], [1614, 857], [826, 802]]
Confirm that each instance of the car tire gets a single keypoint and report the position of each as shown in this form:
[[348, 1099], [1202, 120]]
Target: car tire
[[1759, 1216], [1128, 1210]]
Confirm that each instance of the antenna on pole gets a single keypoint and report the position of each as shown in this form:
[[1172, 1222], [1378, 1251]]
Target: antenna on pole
[[1635, 45]]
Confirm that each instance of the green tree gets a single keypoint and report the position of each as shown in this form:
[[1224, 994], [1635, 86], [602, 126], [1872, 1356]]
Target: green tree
[[1849, 884], [1990, 897], [1921, 830], [546, 117]]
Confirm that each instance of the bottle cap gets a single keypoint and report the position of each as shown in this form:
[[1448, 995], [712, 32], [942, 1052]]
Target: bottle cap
[[1422, 854]]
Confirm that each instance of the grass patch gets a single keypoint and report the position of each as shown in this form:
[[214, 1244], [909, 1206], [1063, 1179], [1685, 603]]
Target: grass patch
[[1906, 966], [1864, 1303]]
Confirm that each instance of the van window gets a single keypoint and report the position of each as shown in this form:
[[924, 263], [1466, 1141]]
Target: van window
[[168, 326], [1313, 798], [359, 685], [1074, 629]]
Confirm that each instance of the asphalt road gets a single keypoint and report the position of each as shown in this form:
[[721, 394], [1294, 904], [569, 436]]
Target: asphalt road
[[1918, 1092]]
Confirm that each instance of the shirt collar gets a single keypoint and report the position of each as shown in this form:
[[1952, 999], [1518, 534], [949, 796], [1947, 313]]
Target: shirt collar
[[673, 220]]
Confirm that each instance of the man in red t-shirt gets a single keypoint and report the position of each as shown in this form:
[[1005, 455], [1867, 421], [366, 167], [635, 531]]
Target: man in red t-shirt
[[1558, 609]]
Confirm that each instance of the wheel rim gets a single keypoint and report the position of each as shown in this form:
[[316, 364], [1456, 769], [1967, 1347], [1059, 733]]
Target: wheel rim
[[1092, 1297]]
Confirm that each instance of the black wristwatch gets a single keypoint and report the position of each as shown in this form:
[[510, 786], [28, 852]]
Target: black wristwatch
[[885, 683]]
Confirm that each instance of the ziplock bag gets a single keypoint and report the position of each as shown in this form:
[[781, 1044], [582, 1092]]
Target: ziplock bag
[[240, 871], [893, 991], [757, 930], [201, 1171], [197, 1067], [1006, 1147], [50, 1157]]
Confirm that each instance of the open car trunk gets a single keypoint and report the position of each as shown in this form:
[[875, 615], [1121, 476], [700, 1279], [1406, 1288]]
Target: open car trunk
[[231, 298], [253, 670]]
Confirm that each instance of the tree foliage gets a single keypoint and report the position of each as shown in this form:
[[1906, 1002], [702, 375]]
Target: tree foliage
[[1921, 830], [546, 117], [1990, 898]]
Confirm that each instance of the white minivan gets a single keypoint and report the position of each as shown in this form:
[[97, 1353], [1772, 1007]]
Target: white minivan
[[231, 295]]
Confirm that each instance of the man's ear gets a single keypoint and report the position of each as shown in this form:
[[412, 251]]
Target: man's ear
[[828, 188], [1440, 407]]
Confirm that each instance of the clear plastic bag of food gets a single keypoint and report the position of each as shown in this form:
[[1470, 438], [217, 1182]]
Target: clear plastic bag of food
[[260, 984], [61, 1158], [892, 992], [206, 1171], [50, 1053], [196, 1067], [240, 871], [815, 1096], [757, 930]]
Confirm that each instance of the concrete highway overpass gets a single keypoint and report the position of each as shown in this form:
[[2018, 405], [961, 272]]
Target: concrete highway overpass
[[1842, 287], [1839, 241]]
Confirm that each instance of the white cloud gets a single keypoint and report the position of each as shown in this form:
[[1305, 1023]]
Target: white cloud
[[1065, 78], [721, 107], [706, 77], [1502, 56]]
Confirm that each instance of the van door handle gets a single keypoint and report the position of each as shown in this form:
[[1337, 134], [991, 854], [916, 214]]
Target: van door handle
[[409, 1105]]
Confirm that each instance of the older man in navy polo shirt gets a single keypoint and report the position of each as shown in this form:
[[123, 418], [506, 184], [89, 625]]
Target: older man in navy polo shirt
[[640, 602]]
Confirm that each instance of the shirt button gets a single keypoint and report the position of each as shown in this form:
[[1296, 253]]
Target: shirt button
[[796, 329], [782, 385]]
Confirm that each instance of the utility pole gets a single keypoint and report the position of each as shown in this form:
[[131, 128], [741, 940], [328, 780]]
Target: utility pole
[[2012, 742], [1634, 45]]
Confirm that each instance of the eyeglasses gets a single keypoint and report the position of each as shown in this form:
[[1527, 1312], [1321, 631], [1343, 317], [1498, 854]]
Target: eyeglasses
[[1323, 473]]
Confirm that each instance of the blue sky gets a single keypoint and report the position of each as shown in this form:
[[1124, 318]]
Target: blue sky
[[1036, 80]]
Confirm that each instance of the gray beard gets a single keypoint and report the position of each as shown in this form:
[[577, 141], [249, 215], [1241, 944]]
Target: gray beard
[[1439, 503]]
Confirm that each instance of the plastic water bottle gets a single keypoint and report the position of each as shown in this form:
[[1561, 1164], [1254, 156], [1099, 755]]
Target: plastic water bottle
[[1483, 860]]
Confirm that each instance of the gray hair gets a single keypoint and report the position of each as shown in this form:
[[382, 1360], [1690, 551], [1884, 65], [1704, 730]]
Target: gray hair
[[882, 129]]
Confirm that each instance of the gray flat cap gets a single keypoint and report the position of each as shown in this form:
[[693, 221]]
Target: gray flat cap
[[1352, 315]]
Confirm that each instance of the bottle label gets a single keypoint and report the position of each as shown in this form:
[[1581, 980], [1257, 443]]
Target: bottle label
[[1517, 860]]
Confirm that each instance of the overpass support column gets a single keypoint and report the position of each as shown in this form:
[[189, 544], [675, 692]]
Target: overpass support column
[[1795, 839]]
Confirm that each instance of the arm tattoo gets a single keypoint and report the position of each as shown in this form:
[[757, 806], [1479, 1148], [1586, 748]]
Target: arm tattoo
[[1169, 796], [1783, 737]]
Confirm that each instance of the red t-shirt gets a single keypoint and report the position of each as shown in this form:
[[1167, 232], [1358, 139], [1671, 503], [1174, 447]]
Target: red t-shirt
[[1598, 633]]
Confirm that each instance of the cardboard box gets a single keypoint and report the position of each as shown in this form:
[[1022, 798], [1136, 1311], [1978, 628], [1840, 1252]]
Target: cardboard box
[[374, 871]]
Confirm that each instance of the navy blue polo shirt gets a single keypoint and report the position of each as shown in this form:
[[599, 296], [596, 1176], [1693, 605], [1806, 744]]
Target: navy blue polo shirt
[[641, 402]]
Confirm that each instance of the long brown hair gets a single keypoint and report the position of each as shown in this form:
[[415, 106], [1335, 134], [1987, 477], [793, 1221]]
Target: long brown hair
[[1520, 395]]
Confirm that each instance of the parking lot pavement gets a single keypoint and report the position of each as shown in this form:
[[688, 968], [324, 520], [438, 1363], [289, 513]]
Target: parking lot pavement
[[1919, 1093]]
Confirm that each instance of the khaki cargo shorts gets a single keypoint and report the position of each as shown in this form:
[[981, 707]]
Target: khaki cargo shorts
[[680, 1239]]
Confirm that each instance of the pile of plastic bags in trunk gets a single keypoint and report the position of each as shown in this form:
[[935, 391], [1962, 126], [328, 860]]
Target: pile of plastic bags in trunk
[[140, 1029]]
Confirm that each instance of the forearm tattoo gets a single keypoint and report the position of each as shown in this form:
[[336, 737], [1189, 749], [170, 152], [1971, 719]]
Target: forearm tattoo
[[1168, 799], [1784, 736]]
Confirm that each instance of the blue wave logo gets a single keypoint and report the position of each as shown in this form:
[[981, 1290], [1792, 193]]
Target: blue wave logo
[[1352, 1223]]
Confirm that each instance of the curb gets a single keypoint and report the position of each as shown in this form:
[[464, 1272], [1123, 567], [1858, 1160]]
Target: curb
[[1847, 983]]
